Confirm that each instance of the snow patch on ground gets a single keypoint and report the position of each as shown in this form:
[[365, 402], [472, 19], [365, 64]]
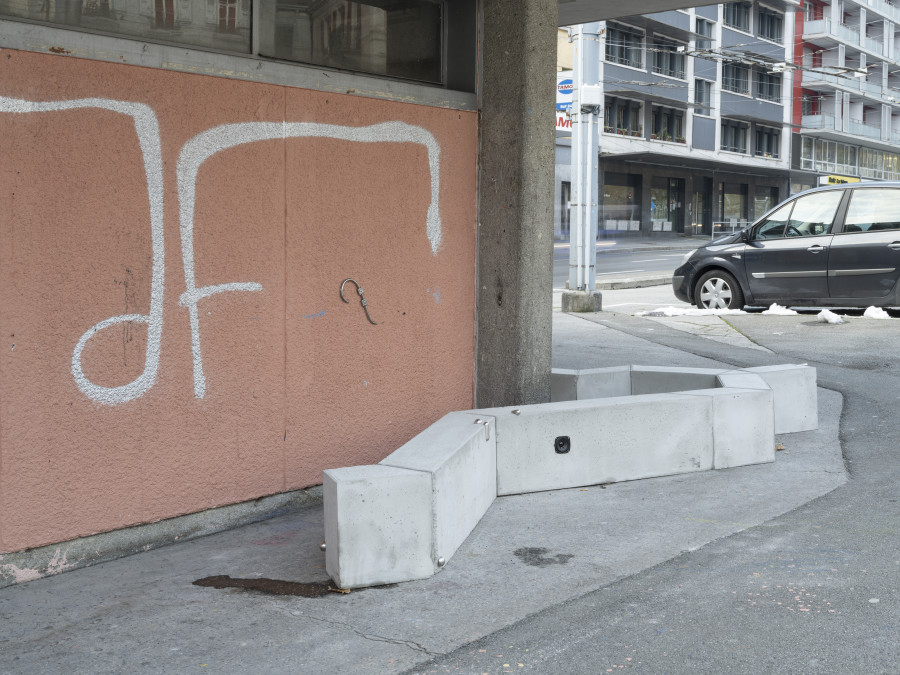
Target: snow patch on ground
[[827, 316], [689, 311], [876, 313], [777, 309]]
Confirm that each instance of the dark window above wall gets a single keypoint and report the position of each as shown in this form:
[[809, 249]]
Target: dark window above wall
[[737, 15], [770, 24], [666, 57], [736, 78], [430, 41], [624, 46], [768, 86]]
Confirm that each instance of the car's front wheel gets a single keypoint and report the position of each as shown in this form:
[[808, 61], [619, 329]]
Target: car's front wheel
[[718, 289]]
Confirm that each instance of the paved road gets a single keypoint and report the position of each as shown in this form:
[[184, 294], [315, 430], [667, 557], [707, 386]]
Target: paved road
[[816, 590], [618, 264]]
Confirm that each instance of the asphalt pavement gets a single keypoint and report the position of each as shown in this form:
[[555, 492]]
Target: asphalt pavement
[[785, 567]]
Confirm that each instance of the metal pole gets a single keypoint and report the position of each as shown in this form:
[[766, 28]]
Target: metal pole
[[585, 148]]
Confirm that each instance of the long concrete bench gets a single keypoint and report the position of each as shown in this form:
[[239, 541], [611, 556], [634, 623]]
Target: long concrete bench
[[403, 518]]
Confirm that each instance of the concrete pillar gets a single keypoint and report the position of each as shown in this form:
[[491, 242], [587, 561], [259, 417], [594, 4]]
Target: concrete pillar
[[517, 96]]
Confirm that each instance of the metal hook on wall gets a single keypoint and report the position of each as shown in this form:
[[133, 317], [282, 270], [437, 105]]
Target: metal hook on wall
[[362, 298]]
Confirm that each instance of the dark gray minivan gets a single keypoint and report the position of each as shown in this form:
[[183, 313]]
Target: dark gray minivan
[[830, 246]]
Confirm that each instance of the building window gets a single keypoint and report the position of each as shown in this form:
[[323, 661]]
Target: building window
[[624, 46], [770, 24], [667, 124], [768, 142], [702, 97], [871, 163], [832, 157], [667, 60], [807, 154], [810, 104], [734, 136], [565, 194], [768, 86], [703, 29], [737, 15], [623, 117], [736, 78], [404, 39]]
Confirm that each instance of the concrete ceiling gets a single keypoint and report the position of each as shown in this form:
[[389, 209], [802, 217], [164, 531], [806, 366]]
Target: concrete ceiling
[[583, 11]]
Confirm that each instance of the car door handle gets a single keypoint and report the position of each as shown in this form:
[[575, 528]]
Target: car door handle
[[894, 246], [816, 249]]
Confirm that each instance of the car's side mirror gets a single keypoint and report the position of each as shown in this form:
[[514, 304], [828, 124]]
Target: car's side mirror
[[745, 236]]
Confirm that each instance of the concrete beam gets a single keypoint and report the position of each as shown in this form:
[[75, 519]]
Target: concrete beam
[[515, 185]]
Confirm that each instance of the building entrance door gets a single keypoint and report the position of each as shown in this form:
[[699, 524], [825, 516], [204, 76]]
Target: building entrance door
[[701, 208], [676, 204]]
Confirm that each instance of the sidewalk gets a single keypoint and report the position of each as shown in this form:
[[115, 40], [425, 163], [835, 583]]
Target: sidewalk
[[530, 552]]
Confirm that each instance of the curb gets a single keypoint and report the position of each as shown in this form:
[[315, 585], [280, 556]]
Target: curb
[[619, 284]]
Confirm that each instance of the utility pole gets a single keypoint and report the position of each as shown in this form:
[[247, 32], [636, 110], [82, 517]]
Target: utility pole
[[587, 102]]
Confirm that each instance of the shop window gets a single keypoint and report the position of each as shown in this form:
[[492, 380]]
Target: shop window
[[871, 163], [736, 78], [765, 199], [667, 60], [770, 24], [733, 203], [624, 46], [621, 197], [737, 15]]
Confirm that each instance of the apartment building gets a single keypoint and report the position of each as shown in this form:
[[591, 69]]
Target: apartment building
[[847, 92], [695, 128]]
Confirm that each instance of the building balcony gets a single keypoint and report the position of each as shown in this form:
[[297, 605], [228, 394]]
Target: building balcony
[[884, 8], [826, 122], [858, 128], [824, 32]]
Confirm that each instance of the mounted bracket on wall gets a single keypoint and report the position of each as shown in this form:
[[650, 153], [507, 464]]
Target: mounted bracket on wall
[[362, 298]]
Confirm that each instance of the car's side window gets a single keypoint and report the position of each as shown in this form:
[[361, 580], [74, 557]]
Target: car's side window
[[873, 209], [814, 214], [773, 226]]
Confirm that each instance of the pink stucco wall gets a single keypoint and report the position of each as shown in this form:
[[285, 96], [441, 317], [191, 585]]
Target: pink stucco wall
[[296, 381]]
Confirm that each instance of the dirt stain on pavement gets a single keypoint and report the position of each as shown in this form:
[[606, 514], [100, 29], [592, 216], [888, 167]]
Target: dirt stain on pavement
[[537, 557], [269, 586]]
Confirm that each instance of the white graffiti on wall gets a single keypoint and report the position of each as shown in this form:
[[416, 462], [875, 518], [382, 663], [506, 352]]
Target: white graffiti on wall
[[205, 145], [193, 154]]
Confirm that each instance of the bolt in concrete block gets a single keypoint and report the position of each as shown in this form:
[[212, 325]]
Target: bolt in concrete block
[[604, 382], [378, 525], [795, 396], [663, 379], [609, 440], [461, 457], [743, 426], [563, 384]]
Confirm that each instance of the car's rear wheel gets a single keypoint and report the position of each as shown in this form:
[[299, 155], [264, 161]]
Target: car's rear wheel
[[718, 289]]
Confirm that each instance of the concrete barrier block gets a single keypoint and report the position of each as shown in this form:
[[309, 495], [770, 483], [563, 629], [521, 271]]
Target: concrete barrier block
[[461, 457], [609, 440], [743, 426], [795, 396], [563, 384], [604, 382], [663, 379], [741, 379], [378, 525]]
